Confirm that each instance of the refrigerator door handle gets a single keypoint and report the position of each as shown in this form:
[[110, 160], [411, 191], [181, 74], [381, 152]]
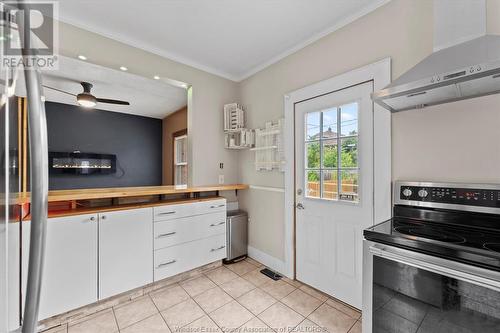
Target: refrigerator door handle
[[37, 129]]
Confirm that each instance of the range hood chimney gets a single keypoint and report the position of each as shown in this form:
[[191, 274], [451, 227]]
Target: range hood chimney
[[465, 62]]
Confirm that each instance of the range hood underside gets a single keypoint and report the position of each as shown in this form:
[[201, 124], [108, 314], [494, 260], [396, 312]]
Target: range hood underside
[[445, 92], [464, 71]]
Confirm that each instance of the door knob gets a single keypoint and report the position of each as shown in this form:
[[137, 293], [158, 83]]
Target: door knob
[[299, 191], [300, 206]]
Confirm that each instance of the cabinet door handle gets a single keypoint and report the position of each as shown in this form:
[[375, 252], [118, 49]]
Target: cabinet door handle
[[214, 225], [103, 217], [167, 213], [92, 218], [167, 234], [166, 263], [217, 249], [218, 206]]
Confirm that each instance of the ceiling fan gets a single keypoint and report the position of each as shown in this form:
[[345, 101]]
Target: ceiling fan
[[86, 99]]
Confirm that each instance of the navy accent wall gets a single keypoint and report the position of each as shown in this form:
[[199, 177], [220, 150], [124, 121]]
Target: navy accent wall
[[136, 141]]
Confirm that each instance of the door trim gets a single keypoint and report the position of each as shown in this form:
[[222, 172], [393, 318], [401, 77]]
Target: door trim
[[378, 72]]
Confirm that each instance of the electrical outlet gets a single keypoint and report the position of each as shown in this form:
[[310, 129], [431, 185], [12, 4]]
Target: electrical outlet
[[221, 179]]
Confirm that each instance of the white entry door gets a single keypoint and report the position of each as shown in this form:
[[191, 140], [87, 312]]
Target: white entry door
[[334, 189]]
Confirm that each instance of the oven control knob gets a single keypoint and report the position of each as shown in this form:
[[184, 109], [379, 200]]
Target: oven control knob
[[407, 192], [423, 193]]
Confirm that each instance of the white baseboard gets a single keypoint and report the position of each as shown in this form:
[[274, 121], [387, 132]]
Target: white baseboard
[[273, 263]]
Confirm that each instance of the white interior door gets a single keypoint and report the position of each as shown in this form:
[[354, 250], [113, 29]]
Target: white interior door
[[334, 189]]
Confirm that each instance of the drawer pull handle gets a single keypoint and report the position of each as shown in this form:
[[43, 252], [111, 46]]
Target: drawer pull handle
[[217, 249], [166, 263], [214, 225], [166, 235], [167, 213], [218, 206]]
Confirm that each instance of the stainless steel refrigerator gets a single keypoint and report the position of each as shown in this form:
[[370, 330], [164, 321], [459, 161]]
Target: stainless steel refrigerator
[[10, 195]]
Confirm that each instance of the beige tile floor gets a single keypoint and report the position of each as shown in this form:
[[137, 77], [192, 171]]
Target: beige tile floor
[[234, 297]]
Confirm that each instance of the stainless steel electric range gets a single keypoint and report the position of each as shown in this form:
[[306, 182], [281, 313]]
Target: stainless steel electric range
[[435, 266]]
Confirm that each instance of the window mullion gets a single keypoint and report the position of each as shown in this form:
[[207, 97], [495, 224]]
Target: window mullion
[[339, 152], [321, 155]]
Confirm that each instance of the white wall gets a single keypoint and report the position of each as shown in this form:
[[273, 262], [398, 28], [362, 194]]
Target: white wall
[[454, 142], [209, 94], [401, 29], [493, 16]]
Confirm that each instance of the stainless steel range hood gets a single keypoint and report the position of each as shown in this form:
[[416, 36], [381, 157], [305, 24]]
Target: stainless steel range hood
[[463, 71]]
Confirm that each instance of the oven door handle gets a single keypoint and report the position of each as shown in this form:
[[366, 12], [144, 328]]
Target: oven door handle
[[475, 275]]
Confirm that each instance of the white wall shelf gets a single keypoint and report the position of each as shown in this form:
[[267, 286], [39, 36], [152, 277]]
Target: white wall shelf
[[236, 136], [269, 150], [241, 139], [234, 117]]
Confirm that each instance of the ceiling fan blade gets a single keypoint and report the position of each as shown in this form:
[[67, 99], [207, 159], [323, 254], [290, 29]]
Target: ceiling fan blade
[[65, 92], [112, 101]]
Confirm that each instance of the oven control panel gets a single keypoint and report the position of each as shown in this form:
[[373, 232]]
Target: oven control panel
[[444, 194]]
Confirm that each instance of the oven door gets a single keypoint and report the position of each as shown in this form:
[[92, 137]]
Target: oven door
[[410, 292]]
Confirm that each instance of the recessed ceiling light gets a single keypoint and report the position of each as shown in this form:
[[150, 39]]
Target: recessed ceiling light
[[82, 57], [156, 77], [123, 68]]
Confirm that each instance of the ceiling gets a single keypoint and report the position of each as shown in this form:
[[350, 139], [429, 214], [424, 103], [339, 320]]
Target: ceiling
[[230, 38], [147, 97]]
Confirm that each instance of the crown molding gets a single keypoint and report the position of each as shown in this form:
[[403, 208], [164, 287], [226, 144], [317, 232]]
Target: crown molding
[[216, 71]]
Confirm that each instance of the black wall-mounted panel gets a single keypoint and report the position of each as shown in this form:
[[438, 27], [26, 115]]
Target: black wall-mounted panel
[[136, 141]]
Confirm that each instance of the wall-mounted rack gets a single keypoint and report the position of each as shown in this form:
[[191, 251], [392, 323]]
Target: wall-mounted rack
[[240, 139], [236, 136], [234, 117], [269, 149]]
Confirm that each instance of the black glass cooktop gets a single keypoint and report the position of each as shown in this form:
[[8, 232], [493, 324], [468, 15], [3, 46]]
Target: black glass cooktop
[[461, 237]]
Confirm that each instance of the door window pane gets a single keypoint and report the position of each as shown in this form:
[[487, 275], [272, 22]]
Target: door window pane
[[330, 184], [313, 126], [331, 160], [313, 155], [330, 153], [349, 152], [313, 184], [349, 185], [349, 119], [330, 123]]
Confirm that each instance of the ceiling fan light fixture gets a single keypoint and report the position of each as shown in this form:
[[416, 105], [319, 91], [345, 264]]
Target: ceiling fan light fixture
[[86, 100]]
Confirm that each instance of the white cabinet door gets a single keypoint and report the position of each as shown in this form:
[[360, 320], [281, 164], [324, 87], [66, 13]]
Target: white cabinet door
[[186, 229], [175, 211], [69, 278], [125, 250], [181, 258]]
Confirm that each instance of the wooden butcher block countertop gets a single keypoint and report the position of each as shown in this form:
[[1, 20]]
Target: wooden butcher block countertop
[[123, 192]]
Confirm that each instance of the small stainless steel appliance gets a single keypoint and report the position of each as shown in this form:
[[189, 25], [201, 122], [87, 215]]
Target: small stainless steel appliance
[[237, 235], [435, 266]]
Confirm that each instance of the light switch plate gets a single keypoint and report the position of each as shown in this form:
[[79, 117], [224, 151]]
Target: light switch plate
[[221, 179]]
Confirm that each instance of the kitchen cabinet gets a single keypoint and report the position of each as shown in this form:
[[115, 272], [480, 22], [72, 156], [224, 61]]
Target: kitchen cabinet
[[171, 232], [91, 257], [69, 278], [125, 250], [184, 257], [188, 235]]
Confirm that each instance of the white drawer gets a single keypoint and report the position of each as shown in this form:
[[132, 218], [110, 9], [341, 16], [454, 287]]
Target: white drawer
[[173, 232], [180, 258], [170, 212]]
